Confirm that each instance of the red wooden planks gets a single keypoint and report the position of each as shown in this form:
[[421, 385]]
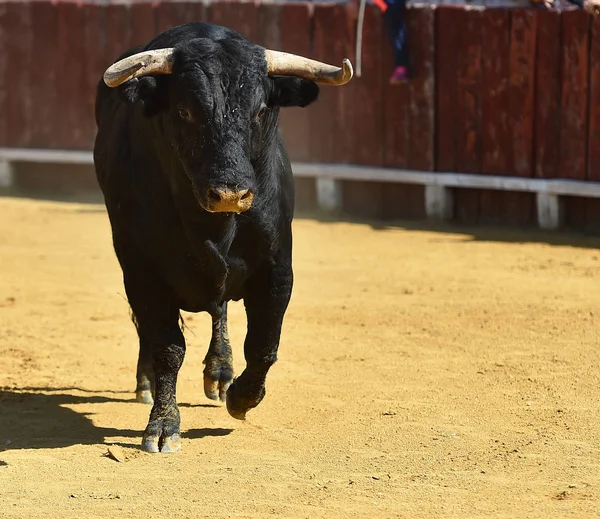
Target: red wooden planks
[[350, 118], [401, 201], [323, 113], [241, 17], [593, 172], [593, 168], [333, 136], [306, 194], [172, 14], [71, 82], [97, 59], [468, 100], [363, 113], [574, 212], [408, 118], [447, 59], [4, 78], [496, 126], [361, 199], [592, 214], [547, 94], [496, 133], [295, 33], [397, 200], [296, 28], [522, 76], [358, 111], [119, 37], [574, 99], [518, 208], [468, 110], [269, 22], [42, 76], [168, 15], [396, 114], [143, 23], [574, 102], [17, 24], [421, 37]]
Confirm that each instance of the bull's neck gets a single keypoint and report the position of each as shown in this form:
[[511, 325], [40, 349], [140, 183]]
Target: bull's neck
[[210, 236]]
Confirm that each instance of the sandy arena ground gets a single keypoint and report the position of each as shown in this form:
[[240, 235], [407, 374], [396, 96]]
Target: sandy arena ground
[[421, 374]]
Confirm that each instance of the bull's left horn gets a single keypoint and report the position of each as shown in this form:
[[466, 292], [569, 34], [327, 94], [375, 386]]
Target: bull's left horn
[[142, 64], [284, 64]]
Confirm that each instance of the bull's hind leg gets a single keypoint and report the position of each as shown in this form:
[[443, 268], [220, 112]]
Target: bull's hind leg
[[144, 391], [218, 373]]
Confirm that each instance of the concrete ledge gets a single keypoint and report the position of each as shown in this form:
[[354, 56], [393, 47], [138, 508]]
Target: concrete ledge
[[328, 177], [562, 187], [439, 202], [46, 156]]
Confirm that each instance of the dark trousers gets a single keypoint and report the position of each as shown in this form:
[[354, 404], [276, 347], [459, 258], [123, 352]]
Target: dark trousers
[[395, 27]]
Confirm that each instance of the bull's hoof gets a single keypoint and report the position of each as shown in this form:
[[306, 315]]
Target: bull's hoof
[[155, 443], [144, 396], [238, 414], [216, 389], [243, 396], [218, 376], [162, 433]]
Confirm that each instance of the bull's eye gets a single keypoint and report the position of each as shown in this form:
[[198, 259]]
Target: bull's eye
[[184, 114], [262, 111]]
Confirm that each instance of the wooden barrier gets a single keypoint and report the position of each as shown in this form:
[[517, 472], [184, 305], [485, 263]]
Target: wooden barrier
[[495, 92]]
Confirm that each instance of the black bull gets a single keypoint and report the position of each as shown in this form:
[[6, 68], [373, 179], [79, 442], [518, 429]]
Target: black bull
[[200, 197]]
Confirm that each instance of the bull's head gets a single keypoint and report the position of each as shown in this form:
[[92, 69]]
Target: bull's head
[[216, 104]]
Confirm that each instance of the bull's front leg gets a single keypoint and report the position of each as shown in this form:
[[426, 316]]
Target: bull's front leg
[[266, 300], [162, 433], [163, 342]]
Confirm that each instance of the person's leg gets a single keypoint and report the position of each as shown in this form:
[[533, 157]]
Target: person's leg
[[395, 25]]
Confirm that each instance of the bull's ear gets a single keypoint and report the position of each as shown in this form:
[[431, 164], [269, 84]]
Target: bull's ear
[[293, 91], [145, 91]]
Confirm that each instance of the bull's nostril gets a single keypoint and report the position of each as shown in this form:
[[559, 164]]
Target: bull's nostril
[[246, 194], [214, 195]]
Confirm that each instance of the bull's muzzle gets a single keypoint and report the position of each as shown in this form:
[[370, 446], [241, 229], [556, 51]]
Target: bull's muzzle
[[228, 201]]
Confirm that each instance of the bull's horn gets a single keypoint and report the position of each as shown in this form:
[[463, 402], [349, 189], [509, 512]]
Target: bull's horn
[[142, 64], [284, 64]]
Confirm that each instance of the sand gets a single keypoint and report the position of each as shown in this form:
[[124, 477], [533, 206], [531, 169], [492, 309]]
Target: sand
[[448, 372]]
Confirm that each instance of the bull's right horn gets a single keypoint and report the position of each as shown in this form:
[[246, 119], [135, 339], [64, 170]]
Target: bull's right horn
[[284, 64], [142, 64]]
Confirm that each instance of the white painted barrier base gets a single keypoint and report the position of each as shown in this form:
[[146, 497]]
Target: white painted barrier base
[[439, 203], [328, 177], [439, 186]]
